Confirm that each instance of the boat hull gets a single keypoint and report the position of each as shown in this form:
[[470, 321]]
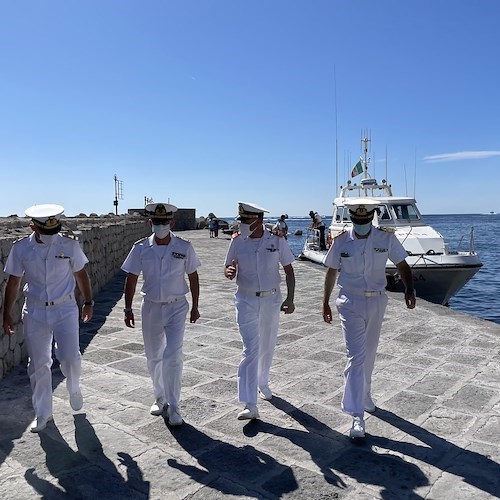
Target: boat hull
[[436, 278]]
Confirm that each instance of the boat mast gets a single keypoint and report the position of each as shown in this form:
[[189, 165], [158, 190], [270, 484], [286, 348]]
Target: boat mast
[[365, 140]]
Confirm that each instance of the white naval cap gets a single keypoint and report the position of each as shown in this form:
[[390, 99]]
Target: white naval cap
[[45, 216], [160, 211], [249, 210], [361, 209]]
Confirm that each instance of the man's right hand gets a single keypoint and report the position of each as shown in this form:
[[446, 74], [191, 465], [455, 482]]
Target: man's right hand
[[129, 319], [230, 271], [327, 313], [8, 327]]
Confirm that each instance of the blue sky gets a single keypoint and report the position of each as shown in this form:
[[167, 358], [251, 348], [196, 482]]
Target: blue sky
[[204, 103]]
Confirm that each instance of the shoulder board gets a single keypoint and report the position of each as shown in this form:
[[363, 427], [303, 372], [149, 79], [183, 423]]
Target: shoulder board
[[390, 230], [141, 240], [69, 236], [338, 234], [21, 238], [183, 239]]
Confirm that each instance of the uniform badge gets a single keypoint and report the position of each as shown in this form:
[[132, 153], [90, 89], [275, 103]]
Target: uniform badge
[[178, 255], [344, 254], [272, 248]]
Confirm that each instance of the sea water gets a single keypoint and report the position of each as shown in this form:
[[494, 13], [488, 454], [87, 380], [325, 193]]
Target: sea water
[[480, 296]]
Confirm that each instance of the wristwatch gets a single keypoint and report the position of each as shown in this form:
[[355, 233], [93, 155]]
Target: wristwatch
[[89, 303]]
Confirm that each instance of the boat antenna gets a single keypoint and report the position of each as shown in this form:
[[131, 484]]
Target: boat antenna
[[365, 141], [406, 184], [386, 164], [415, 176], [336, 130]]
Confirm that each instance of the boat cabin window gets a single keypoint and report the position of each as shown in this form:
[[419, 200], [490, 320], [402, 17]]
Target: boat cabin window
[[383, 212], [406, 212]]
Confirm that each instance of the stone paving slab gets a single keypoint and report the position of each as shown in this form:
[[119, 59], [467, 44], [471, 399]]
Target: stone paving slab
[[435, 434]]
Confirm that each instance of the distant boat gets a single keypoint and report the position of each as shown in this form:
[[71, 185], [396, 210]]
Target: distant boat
[[438, 272]]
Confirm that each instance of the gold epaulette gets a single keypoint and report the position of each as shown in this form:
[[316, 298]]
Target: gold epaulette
[[141, 240], [183, 239], [390, 230], [338, 234]]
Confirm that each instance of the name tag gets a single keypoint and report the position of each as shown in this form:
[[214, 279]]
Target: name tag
[[381, 250], [344, 254], [62, 256], [271, 249], [177, 255]]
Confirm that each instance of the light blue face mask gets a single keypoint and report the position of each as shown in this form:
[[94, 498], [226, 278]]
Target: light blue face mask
[[362, 229]]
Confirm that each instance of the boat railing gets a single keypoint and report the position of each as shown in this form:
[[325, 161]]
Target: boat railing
[[312, 238], [472, 247]]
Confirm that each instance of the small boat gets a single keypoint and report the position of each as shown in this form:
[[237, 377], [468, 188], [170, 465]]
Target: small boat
[[439, 273]]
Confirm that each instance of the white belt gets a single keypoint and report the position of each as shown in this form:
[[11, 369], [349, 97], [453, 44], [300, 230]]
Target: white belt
[[170, 301], [365, 293], [264, 293], [49, 303]]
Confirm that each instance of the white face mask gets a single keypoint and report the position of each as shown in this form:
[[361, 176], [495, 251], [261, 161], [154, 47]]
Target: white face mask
[[161, 230], [245, 230], [362, 229], [47, 239]]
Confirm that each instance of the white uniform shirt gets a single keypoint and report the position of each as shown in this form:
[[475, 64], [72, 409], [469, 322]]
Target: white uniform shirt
[[48, 268], [362, 261], [163, 267], [258, 261]]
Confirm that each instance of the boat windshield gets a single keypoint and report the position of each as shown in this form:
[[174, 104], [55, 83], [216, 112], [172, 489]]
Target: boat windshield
[[406, 212], [385, 212]]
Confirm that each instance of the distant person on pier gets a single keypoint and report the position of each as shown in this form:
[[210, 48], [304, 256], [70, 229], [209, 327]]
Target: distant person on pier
[[359, 256], [317, 223], [281, 227], [52, 265], [164, 259], [253, 258]]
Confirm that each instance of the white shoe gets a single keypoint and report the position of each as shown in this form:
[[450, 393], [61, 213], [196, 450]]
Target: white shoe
[[157, 408], [76, 400], [358, 428], [369, 404], [174, 416], [265, 392], [40, 423], [249, 413]]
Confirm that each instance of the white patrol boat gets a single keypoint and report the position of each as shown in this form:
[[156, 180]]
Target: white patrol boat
[[438, 272]]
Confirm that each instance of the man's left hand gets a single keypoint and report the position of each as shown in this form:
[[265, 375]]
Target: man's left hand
[[194, 316], [287, 307], [410, 299]]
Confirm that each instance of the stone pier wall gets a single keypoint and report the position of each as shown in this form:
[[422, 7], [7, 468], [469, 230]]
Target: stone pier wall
[[106, 243]]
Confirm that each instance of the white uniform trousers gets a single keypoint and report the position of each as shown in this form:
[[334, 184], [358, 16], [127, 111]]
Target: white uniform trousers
[[163, 328], [361, 319], [258, 322], [42, 324]]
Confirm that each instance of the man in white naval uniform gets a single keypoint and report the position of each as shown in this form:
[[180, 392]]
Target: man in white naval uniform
[[163, 259], [360, 254], [51, 264], [253, 257]]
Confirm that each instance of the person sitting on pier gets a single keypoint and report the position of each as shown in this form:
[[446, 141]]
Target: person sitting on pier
[[359, 255]]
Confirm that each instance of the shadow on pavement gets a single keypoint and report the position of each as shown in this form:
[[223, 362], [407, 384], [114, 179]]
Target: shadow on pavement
[[230, 469], [88, 472], [333, 452], [475, 469], [105, 301]]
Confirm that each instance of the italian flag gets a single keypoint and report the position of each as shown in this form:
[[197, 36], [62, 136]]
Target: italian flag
[[357, 169]]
